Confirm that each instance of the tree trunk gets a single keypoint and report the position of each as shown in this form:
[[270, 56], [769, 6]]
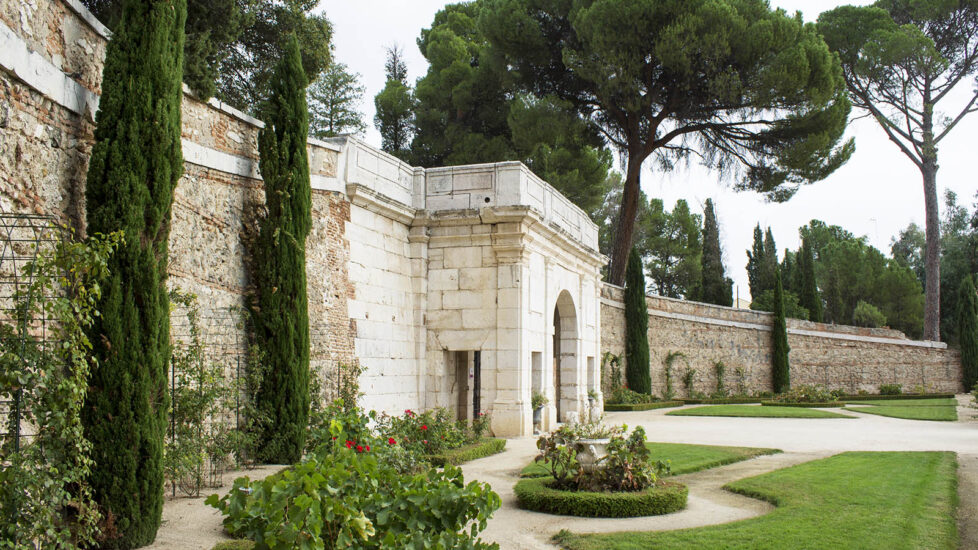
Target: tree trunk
[[626, 220], [932, 256]]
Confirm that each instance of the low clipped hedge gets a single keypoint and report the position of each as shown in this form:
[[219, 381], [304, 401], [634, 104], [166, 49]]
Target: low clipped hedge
[[479, 449], [614, 407], [823, 405], [722, 401], [875, 397], [537, 495]]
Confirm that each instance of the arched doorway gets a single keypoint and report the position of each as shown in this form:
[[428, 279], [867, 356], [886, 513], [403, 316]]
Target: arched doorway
[[565, 368]]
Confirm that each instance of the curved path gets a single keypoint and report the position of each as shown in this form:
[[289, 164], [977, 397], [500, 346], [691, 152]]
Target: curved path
[[800, 439]]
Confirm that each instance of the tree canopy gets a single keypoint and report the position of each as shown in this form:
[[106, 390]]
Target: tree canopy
[[395, 106], [901, 59], [334, 103], [672, 250], [716, 287], [750, 91]]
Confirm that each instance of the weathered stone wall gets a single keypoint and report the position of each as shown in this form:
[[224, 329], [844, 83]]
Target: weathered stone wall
[[51, 56], [835, 356]]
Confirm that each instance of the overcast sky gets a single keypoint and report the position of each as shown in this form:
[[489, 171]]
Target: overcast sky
[[876, 194]]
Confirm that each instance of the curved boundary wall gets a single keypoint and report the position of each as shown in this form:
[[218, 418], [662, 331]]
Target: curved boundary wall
[[835, 356]]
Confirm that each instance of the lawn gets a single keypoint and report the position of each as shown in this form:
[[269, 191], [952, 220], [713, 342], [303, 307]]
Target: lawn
[[757, 411], [683, 458], [886, 500], [911, 409]]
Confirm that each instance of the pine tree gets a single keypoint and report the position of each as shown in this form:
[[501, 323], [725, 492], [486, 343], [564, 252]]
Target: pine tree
[[636, 327], [968, 331], [280, 311], [754, 258], [334, 101], [810, 298], [780, 372], [716, 288], [135, 165], [395, 106]]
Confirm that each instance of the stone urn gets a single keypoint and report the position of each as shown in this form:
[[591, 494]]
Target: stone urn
[[591, 452], [537, 418]]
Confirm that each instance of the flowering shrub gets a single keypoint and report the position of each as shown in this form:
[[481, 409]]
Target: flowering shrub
[[347, 493], [432, 432], [807, 394]]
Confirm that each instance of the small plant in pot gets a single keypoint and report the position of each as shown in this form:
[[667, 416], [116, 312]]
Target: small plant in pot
[[537, 402], [591, 440]]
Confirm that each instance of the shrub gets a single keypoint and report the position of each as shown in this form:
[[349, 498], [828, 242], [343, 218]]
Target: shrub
[[868, 315], [968, 331], [345, 494], [628, 397], [472, 451], [539, 494], [432, 432], [807, 394], [538, 400], [891, 389]]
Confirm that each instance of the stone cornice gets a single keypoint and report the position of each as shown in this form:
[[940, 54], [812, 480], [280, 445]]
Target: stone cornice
[[366, 197]]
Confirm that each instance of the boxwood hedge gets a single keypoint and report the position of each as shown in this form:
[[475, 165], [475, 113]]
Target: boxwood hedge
[[805, 405], [536, 494], [479, 449], [641, 406]]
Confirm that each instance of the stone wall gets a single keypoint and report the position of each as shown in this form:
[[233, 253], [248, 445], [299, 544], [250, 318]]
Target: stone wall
[[835, 356], [50, 78]]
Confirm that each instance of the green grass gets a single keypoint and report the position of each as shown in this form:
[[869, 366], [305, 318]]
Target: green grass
[[757, 411], [892, 500], [683, 458], [944, 409]]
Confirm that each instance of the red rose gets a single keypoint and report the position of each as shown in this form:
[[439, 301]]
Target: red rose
[[425, 441], [367, 448], [424, 427], [349, 444], [359, 448], [391, 441]]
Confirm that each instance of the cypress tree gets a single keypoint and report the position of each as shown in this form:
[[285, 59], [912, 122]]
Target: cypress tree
[[780, 373], [716, 288], [636, 327], [135, 165], [968, 332], [754, 258], [809, 298], [769, 263], [280, 312]]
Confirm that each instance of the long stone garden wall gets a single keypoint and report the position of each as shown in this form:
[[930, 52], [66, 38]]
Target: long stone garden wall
[[838, 357], [51, 54]]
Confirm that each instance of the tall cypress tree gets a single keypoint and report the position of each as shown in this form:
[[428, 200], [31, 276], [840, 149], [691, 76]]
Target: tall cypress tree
[[636, 327], [135, 165], [716, 288], [280, 313], [968, 331], [769, 263], [780, 372], [809, 298], [755, 256]]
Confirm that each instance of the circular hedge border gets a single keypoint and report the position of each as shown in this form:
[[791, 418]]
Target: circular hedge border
[[537, 495], [823, 405]]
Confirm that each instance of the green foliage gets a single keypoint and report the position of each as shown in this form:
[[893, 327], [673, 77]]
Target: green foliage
[[762, 263], [641, 406], [719, 371], [867, 315], [432, 432], [280, 308], [968, 331], [689, 379], [807, 394], [135, 165], [637, 367], [395, 106], [808, 296], [334, 101], [891, 389], [538, 400], [537, 494], [743, 387], [667, 371], [780, 373], [468, 112], [752, 90], [201, 399], [940, 410], [959, 258], [792, 308], [45, 477], [753, 411], [851, 500], [672, 250], [472, 451], [716, 287], [331, 500], [625, 396]]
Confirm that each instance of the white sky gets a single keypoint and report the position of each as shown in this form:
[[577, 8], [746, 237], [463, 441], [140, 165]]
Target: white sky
[[877, 193]]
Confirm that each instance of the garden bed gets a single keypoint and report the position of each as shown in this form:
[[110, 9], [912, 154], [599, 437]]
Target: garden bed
[[537, 494], [823, 405], [618, 407], [480, 449]]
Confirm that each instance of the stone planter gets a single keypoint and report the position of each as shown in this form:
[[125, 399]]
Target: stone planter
[[537, 418], [590, 453]]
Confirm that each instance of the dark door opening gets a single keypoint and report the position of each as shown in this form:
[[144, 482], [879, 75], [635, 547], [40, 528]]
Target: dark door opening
[[557, 362], [476, 384]]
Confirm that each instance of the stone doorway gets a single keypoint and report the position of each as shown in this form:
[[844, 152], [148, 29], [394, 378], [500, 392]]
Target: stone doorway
[[565, 358]]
